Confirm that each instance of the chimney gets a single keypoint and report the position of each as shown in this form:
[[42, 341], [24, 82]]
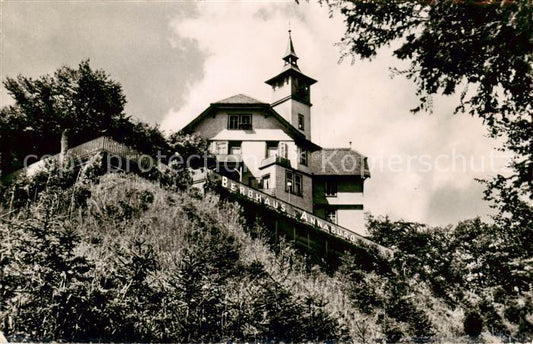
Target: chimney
[[64, 147]]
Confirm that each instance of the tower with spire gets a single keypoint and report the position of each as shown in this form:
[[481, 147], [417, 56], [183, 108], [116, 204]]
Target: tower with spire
[[292, 92], [268, 147]]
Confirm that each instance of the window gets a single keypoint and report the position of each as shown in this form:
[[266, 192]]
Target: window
[[301, 121], [219, 147], [245, 121], [235, 147], [265, 181], [233, 122], [252, 182], [271, 148], [302, 156], [330, 188], [293, 183], [302, 92], [298, 184], [331, 215], [289, 181], [236, 122]]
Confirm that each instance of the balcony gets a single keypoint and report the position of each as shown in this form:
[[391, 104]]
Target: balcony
[[81, 153], [275, 160]]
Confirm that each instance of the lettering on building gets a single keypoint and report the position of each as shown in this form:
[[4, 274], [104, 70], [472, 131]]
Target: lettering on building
[[286, 209]]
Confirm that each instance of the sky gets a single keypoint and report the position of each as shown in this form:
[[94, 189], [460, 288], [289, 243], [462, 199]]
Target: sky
[[174, 58]]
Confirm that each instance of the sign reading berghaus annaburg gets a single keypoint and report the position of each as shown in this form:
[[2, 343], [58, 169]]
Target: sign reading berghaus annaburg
[[289, 210]]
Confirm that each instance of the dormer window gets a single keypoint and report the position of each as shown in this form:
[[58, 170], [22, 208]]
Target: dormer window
[[240, 122]]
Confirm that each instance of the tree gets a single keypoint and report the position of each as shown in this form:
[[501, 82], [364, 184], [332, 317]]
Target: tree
[[45, 277], [482, 49], [85, 102], [188, 144]]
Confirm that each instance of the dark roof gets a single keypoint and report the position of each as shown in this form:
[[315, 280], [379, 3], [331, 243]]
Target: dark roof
[[289, 69], [239, 99], [290, 47], [338, 162], [290, 57]]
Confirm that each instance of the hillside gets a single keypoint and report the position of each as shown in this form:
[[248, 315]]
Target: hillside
[[120, 258], [91, 256]]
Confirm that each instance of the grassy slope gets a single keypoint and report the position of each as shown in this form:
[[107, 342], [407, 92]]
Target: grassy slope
[[168, 221], [180, 266]]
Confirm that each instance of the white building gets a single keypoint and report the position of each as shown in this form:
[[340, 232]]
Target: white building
[[269, 147]]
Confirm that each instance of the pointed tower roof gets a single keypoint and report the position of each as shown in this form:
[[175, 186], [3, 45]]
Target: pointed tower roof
[[291, 65], [290, 57]]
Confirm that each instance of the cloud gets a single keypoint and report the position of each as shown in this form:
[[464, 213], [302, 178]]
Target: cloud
[[132, 41], [243, 44], [174, 58]]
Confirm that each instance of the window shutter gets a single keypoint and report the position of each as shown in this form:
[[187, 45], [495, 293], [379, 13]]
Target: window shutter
[[283, 150], [213, 147], [222, 147]]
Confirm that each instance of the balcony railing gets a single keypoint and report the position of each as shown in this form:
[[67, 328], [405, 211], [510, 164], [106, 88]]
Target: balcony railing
[[85, 150], [229, 158]]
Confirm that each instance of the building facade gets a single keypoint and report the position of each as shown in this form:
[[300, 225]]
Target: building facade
[[268, 146]]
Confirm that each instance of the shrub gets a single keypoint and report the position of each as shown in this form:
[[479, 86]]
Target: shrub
[[473, 324], [50, 296]]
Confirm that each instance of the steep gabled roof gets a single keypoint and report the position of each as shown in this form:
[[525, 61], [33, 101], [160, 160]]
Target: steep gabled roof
[[338, 162], [243, 102], [239, 99]]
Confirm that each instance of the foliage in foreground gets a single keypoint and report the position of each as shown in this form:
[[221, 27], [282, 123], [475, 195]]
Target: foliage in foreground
[[118, 258], [480, 50], [133, 262], [473, 265]]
